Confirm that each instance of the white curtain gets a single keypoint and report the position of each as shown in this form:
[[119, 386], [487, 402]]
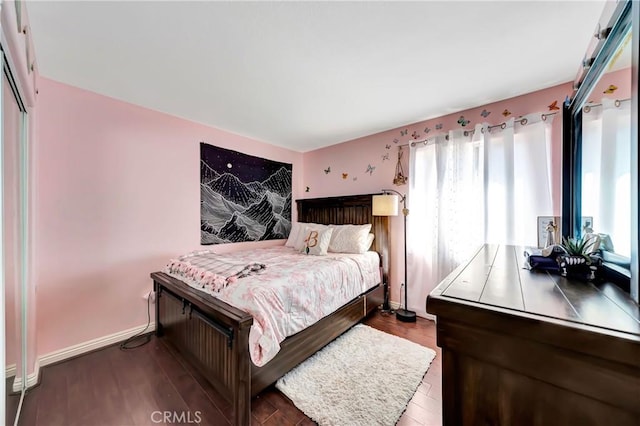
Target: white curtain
[[517, 180], [469, 189], [606, 149], [445, 204]]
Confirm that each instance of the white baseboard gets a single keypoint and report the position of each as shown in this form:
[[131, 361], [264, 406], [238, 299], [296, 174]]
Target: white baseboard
[[75, 350], [101, 342], [10, 371], [396, 306], [32, 379], [429, 317]]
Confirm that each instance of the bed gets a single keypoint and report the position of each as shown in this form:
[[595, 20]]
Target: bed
[[214, 336]]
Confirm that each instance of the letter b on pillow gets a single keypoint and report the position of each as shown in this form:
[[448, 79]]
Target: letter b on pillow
[[316, 241]]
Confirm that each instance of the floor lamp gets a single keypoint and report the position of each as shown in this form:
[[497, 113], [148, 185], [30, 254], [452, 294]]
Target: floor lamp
[[387, 205]]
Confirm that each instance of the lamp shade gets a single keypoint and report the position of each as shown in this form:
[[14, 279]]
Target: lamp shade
[[385, 205]]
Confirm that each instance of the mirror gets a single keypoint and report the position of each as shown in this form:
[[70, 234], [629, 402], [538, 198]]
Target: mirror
[[605, 162], [13, 234], [600, 146]]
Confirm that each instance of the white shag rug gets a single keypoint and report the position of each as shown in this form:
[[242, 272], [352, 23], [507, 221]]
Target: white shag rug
[[364, 377]]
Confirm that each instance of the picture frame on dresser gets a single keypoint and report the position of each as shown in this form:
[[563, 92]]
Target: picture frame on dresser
[[543, 222]]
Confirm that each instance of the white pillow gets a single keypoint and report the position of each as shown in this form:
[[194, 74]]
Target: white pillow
[[296, 228], [299, 244], [316, 241], [369, 243], [349, 238]]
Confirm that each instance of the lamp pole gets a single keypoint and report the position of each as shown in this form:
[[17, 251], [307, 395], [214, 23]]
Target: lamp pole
[[405, 314]]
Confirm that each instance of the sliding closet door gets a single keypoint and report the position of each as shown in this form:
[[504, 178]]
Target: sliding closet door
[[13, 237]]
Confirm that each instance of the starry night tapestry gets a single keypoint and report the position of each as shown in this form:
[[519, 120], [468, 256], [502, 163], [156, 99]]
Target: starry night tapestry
[[242, 198]]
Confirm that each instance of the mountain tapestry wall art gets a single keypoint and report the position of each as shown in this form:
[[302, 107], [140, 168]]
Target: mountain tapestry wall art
[[242, 197]]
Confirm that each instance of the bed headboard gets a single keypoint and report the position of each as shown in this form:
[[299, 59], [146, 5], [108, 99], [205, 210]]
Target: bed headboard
[[349, 209]]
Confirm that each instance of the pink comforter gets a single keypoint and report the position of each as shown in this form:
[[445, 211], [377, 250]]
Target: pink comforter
[[293, 292]]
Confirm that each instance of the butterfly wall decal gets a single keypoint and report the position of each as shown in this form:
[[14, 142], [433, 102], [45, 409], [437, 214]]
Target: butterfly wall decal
[[554, 106], [385, 156], [427, 129], [439, 126], [355, 178], [485, 113], [611, 89], [327, 170], [403, 132], [506, 113], [345, 175], [306, 190], [463, 121], [396, 141], [415, 135], [387, 146], [370, 169]]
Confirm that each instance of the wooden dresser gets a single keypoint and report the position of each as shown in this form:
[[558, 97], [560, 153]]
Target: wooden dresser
[[531, 348]]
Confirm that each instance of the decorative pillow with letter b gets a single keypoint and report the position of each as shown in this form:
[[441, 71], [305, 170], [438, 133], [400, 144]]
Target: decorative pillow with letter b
[[302, 233], [316, 241]]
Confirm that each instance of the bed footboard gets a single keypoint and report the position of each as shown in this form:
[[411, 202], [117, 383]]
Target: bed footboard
[[212, 335]]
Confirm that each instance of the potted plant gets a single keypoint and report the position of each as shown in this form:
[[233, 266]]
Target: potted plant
[[580, 258]]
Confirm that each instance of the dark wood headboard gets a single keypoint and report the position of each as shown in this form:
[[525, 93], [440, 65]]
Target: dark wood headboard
[[349, 209]]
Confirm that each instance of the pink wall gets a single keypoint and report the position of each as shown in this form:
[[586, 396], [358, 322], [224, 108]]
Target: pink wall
[[117, 196], [621, 81], [353, 157]]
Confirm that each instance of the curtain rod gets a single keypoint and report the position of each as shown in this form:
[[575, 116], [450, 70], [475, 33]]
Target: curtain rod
[[587, 108], [502, 125]]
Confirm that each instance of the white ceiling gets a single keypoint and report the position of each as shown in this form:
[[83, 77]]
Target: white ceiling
[[304, 75]]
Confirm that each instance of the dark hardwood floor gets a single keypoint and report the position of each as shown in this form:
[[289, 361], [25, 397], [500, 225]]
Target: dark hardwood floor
[[12, 402], [117, 388]]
